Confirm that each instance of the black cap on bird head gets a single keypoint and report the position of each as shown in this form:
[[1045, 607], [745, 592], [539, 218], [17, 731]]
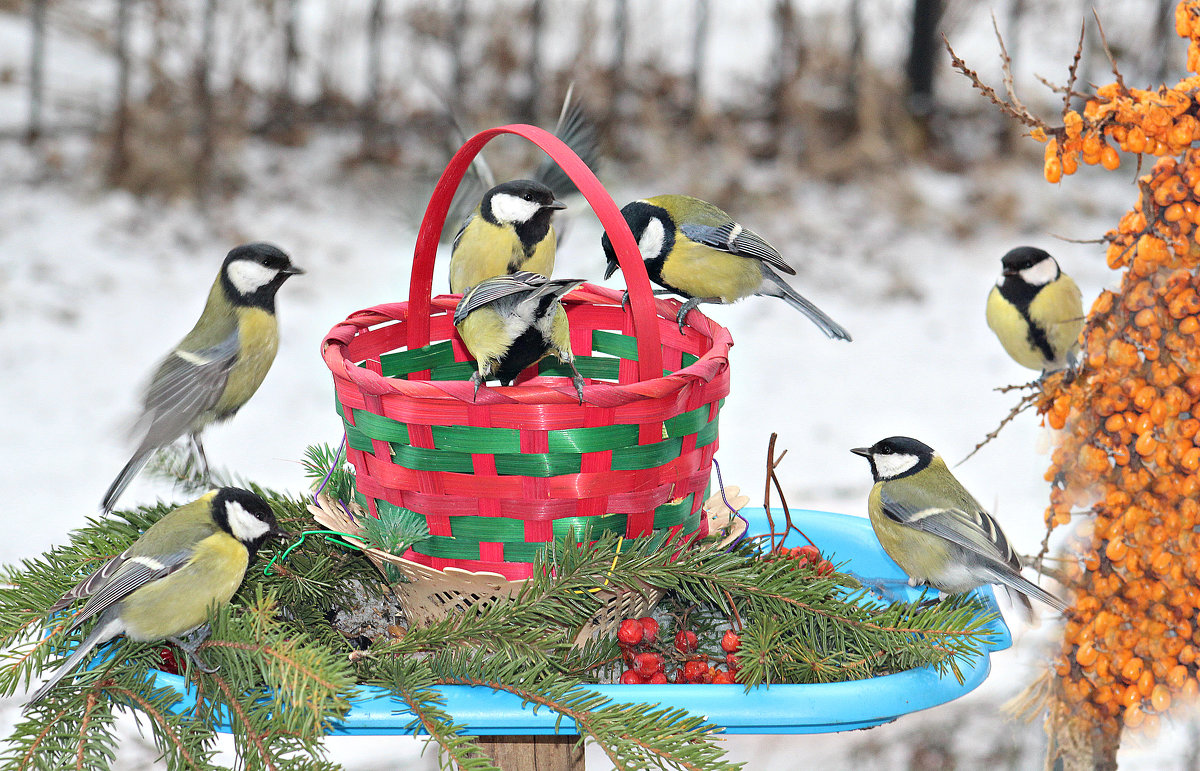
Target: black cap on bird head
[[247, 517], [654, 241], [896, 456], [253, 273], [1022, 258]]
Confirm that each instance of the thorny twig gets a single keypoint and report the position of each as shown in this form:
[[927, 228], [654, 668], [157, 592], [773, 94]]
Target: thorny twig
[[1056, 89], [1026, 402], [1073, 69], [1017, 111], [1108, 52]]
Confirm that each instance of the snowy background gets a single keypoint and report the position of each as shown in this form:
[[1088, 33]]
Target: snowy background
[[96, 284]]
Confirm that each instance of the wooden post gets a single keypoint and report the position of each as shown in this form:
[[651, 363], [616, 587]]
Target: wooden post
[[533, 753]]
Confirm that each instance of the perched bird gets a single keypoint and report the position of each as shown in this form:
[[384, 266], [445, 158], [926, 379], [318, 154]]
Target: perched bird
[[574, 128], [510, 322], [162, 587], [219, 365], [510, 231], [1036, 310], [695, 250], [934, 530]]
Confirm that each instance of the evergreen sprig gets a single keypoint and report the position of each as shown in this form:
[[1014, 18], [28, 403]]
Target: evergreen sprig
[[287, 675]]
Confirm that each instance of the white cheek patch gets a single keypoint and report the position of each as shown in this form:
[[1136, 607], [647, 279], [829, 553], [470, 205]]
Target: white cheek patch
[[1042, 273], [895, 464], [511, 208], [248, 276], [651, 242], [245, 526]]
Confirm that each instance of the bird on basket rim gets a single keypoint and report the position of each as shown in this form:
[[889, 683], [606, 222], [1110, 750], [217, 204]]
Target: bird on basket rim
[[694, 249], [511, 322]]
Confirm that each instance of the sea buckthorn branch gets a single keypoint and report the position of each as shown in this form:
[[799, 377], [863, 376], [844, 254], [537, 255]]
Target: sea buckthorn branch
[[1124, 474]]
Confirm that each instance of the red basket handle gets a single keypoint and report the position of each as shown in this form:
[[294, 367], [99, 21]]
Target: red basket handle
[[641, 300]]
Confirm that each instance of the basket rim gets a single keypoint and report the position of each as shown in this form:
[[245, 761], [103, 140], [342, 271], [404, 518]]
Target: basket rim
[[602, 393]]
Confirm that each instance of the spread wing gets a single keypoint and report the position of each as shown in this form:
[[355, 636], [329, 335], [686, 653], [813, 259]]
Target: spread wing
[[965, 524], [735, 239], [186, 384], [500, 287], [577, 130], [129, 574]]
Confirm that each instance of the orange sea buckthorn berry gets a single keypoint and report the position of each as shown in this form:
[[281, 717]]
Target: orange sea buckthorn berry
[[1109, 158], [1053, 171], [1135, 140]]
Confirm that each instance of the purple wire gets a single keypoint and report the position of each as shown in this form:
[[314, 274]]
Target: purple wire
[[328, 474], [746, 531]]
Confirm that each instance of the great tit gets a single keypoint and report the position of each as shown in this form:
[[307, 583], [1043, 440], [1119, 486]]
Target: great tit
[[695, 250], [219, 365], [1036, 310], [510, 322], [163, 586], [934, 530], [574, 128], [508, 232]]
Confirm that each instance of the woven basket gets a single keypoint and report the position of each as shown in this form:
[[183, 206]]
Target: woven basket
[[500, 475]]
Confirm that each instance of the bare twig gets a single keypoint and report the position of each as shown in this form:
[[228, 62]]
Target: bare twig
[[1057, 89], [1006, 68], [1026, 402], [1071, 71], [1020, 114], [1019, 386], [1108, 52], [773, 478], [1064, 239]]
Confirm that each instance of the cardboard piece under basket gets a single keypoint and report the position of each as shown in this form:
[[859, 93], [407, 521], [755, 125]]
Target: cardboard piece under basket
[[430, 595]]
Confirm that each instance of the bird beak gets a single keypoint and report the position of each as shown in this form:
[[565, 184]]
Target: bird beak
[[863, 451], [279, 532], [611, 269], [293, 270], [556, 204]]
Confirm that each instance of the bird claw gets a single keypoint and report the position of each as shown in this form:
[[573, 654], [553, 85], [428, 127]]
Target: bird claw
[[477, 381], [578, 382], [190, 645]]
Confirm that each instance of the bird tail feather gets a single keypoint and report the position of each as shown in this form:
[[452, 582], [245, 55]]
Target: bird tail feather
[[1019, 583], [102, 633], [123, 479], [793, 298]]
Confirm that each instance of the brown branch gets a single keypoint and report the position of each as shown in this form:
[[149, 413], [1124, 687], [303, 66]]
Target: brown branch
[[154, 714], [1026, 402], [241, 713], [1066, 240], [1111, 60], [37, 740], [1071, 71], [83, 729], [1057, 89], [1006, 68]]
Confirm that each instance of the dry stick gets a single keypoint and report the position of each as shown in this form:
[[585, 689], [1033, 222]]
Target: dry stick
[[990, 93], [767, 490], [1111, 60], [1019, 386], [1026, 402], [772, 477], [1006, 68], [1073, 69]]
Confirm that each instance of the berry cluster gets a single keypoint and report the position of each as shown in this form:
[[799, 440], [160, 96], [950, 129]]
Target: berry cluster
[[646, 660], [1130, 448], [807, 555]]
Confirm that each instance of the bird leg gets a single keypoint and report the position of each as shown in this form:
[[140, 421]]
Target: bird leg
[[656, 292], [476, 379], [576, 379], [190, 642], [198, 454], [689, 306]]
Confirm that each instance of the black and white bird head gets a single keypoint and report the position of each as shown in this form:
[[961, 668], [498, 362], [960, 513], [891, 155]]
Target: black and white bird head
[[253, 273], [652, 228], [519, 202], [896, 456], [247, 517], [1028, 264]]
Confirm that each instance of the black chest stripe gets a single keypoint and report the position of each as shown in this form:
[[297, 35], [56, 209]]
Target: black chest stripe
[[1021, 294]]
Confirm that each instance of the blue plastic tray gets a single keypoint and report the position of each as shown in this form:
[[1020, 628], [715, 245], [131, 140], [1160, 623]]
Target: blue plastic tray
[[778, 709]]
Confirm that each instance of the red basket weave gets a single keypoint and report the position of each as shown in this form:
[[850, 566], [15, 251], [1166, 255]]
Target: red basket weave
[[496, 477]]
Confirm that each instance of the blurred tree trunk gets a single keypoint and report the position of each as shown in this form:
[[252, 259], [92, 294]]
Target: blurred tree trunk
[[1164, 30], [924, 49], [857, 70], [616, 66], [1010, 130], [458, 78], [527, 109], [281, 124], [204, 101], [783, 68], [118, 160], [699, 61], [372, 140], [37, 68]]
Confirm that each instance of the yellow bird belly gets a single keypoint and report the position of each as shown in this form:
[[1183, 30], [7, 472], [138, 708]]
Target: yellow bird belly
[[1059, 308], [484, 334], [486, 251], [180, 602], [920, 555], [704, 272], [259, 335], [1013, 331]]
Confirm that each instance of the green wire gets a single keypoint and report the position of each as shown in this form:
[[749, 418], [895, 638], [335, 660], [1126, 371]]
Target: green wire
[[328, 537]]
